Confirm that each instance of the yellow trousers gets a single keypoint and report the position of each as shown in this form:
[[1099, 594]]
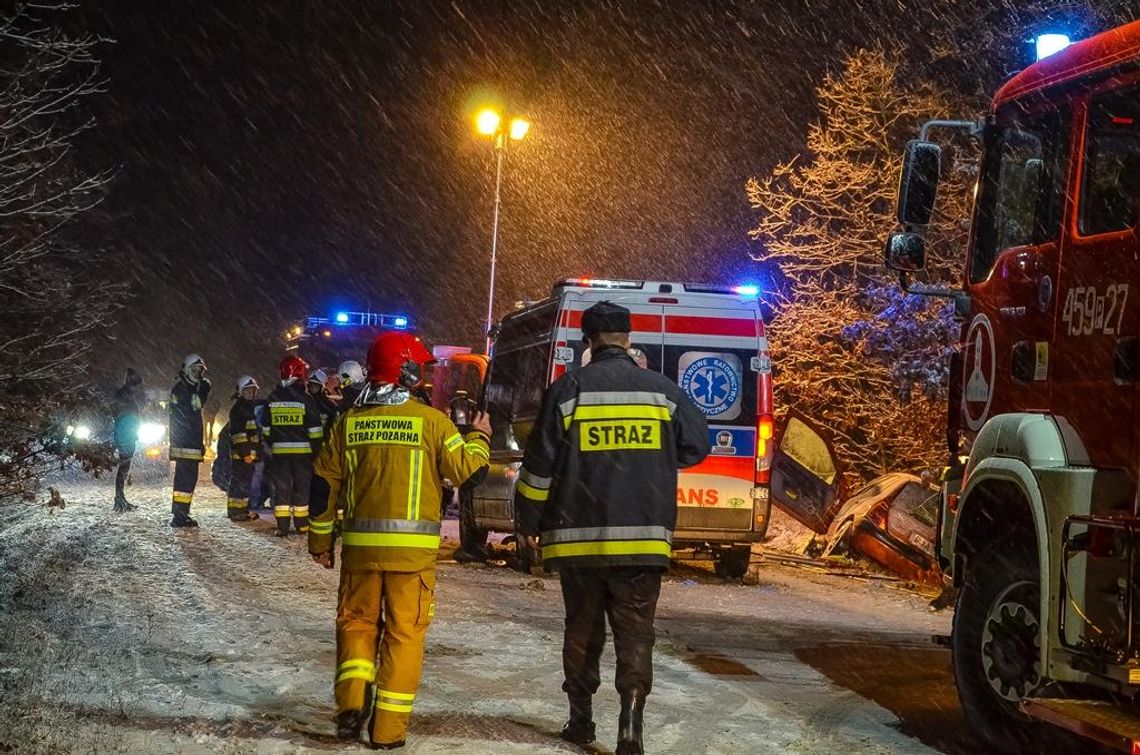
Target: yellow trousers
[[382, 620]]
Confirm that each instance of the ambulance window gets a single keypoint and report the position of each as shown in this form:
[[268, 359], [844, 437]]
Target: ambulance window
[[1022, 189], [1110, 189]]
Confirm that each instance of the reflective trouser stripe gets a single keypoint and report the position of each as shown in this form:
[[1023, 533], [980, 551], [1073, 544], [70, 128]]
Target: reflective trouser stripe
[[609, 548], [390, 540], [532, 493], [301, 510], [397, 702], [186, 454], [291, 448], [182, 497], [237, 503], [356, 669], [239, 438], [284, 511], [414, 474]]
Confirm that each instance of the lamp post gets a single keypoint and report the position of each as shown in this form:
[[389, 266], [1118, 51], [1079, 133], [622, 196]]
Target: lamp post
[[489, 123]]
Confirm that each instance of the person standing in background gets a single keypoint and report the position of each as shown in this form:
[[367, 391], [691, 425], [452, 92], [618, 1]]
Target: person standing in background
[[125, 409]]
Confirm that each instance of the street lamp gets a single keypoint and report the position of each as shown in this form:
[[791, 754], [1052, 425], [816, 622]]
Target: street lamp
[[489, 123]]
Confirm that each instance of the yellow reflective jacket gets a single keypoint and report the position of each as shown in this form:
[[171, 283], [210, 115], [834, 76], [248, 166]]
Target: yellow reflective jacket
[[390, 460]]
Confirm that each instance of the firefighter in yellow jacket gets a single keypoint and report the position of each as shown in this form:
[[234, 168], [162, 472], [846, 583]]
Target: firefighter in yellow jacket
[[389, 454]]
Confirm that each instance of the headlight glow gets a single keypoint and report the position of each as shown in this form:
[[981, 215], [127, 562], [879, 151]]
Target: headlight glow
[[82, 432], [151, 432]]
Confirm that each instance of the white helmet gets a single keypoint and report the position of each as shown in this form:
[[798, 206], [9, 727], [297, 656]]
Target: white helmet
[[189, 363], [246, 381], [318, 376], [351, 373]]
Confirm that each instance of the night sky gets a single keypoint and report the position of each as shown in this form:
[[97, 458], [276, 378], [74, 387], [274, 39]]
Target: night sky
[[297, 159]]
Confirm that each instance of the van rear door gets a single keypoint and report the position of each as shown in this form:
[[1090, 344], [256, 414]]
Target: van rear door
[[709, 352]]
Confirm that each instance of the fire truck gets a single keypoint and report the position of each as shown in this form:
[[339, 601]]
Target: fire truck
[[328, 341], [710, 339], [1039, 523]]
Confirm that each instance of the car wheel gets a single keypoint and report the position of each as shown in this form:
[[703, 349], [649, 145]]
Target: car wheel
[[732, 563]]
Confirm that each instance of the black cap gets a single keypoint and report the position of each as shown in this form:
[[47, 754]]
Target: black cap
[[605, 317]]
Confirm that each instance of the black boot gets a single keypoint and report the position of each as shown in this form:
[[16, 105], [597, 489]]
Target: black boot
[[579, 729], [349, 724], [629, 724]]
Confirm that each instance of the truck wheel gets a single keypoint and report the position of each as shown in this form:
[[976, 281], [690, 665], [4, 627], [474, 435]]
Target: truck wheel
[[732, 563], [996, 647]]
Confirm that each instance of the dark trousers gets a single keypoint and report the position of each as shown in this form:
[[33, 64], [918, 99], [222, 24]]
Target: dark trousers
[[237, 491], [185, 480], [291, 476], [628, 596], [123, 472]]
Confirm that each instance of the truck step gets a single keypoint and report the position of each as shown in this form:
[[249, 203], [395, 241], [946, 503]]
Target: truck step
[[1110, 725]]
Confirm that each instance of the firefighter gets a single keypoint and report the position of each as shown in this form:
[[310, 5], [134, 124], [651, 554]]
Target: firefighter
[[326, 409], [293, 428], [245, 440], [598, 486], [389, 453], [126, 411], [187, 442], [351, 383]]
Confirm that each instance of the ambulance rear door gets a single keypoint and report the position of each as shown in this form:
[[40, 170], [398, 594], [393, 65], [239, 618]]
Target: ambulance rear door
[[712, 343]]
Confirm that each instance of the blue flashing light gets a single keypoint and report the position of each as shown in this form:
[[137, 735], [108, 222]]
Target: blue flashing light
[[342, 317], [747, 290], [400, 322], [1049, 44]]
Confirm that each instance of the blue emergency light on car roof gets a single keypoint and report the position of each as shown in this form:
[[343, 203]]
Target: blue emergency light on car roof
[[400, 322], [342, 317], [748, 290]]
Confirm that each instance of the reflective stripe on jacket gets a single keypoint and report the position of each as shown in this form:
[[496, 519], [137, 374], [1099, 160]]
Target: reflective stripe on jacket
[[245, 439], [389, 461], [599, 477], [292, 423]]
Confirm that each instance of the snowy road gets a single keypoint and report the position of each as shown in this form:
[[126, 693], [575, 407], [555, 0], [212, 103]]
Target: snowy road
[[118, 634]]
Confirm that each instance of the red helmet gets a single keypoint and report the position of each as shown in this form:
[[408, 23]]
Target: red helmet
[[396, 357], [294, 366]]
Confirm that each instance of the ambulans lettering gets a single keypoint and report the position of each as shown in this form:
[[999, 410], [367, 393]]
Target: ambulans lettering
[[620, 435], [1087, 312], [698, 496], [399, 431], [285, 414]]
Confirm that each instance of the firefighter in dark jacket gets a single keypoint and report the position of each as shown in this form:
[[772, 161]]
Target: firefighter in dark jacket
[[351, 384], [245, 443], [187, 444], [598, 488], [126, 414], [293, 430], [326, 409]]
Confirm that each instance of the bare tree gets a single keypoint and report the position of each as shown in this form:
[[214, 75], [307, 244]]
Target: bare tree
[[855, 354], [54, 294]]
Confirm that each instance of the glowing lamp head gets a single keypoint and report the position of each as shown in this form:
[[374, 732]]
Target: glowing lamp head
[[1050, 44], [487, 122], [519, 127], [342, 317], [747, 290]]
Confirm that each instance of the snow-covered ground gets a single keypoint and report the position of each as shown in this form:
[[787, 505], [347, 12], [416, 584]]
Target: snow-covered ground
[[118, 634]]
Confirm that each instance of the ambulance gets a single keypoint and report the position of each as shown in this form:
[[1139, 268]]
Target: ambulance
[[710, 339]]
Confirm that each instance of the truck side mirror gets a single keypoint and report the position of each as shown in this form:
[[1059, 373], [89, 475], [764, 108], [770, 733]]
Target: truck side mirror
[[918, 183], [905, 252]]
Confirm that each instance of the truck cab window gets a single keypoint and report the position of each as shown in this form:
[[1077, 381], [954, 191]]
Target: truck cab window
[[1022, 189], [1110, 188]]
